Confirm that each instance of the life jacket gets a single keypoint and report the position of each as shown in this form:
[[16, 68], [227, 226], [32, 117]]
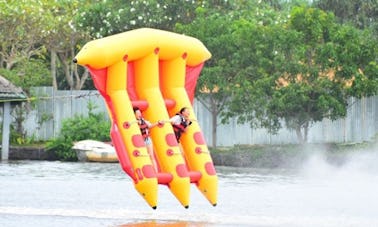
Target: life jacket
[[180, 128], [143, 128]]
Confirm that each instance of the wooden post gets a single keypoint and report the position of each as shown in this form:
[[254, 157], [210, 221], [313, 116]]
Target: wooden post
[[6, 131]]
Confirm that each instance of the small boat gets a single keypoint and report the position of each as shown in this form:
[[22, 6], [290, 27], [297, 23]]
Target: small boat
[[95, 151]]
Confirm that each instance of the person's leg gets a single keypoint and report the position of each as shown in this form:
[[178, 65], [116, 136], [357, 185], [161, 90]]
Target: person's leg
[[150, 151]]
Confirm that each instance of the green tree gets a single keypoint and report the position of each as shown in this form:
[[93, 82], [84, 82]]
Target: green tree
[[234, 34], [32, 28], [26, 74], [214, 86], [106, 18], [362, 13], [308, 69], [20, 34], [62, 39], [259, 61]]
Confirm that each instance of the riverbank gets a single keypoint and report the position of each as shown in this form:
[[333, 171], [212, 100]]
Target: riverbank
[[256, 156], [287, 156]]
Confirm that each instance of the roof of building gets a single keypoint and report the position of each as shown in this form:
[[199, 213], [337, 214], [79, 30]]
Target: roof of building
[[9, 91]]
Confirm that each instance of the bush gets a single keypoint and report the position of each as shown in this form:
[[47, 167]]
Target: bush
[[96, 127]]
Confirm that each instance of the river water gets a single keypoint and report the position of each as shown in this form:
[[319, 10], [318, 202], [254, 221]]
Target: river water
[[43, 193]]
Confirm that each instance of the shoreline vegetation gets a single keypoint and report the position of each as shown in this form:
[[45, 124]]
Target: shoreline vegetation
[[254, 156]]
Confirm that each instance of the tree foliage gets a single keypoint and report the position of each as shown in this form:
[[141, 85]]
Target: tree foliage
[[273, 62], [307, 71], [215, 83], [27, 74], [62, 39], [362, 13], [21, 31], [110, 17]]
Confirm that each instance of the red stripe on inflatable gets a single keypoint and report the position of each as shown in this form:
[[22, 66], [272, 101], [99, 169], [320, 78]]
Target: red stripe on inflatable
[[194, 176], [182, 171], [138, 140], [121, 152], [209, 167], [130, 82], [198, 138], [148, 171], [164, 178], [141, 104], [99, 77], [169, 103], [171, 140], [192, 74]]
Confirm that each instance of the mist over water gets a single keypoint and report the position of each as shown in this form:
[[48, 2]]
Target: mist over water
[[354, 165], [345, 190], [318, 192]]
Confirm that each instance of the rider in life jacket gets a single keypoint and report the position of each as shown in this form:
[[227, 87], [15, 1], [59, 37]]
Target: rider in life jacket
[[180, 121], [144, 126]]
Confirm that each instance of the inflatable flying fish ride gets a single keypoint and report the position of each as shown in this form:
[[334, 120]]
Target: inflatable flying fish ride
[[156, 71]]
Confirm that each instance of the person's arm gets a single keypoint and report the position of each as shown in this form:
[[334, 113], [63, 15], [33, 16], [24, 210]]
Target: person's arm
[[188, 122], [151, 125]]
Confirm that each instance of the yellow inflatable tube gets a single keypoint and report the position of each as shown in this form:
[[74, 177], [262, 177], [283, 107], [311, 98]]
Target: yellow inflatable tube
[[193, 143], [138, 43], [146, 67]]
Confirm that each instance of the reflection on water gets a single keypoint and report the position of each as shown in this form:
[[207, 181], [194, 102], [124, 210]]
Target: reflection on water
[[41, 193]]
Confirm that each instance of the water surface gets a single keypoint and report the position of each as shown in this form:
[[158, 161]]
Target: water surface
[[43, 193]]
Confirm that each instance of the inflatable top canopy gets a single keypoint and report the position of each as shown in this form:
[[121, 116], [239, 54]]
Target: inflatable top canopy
[[156, 71]]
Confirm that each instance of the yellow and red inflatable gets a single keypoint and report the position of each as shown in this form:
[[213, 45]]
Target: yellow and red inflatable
[[157, 71]]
